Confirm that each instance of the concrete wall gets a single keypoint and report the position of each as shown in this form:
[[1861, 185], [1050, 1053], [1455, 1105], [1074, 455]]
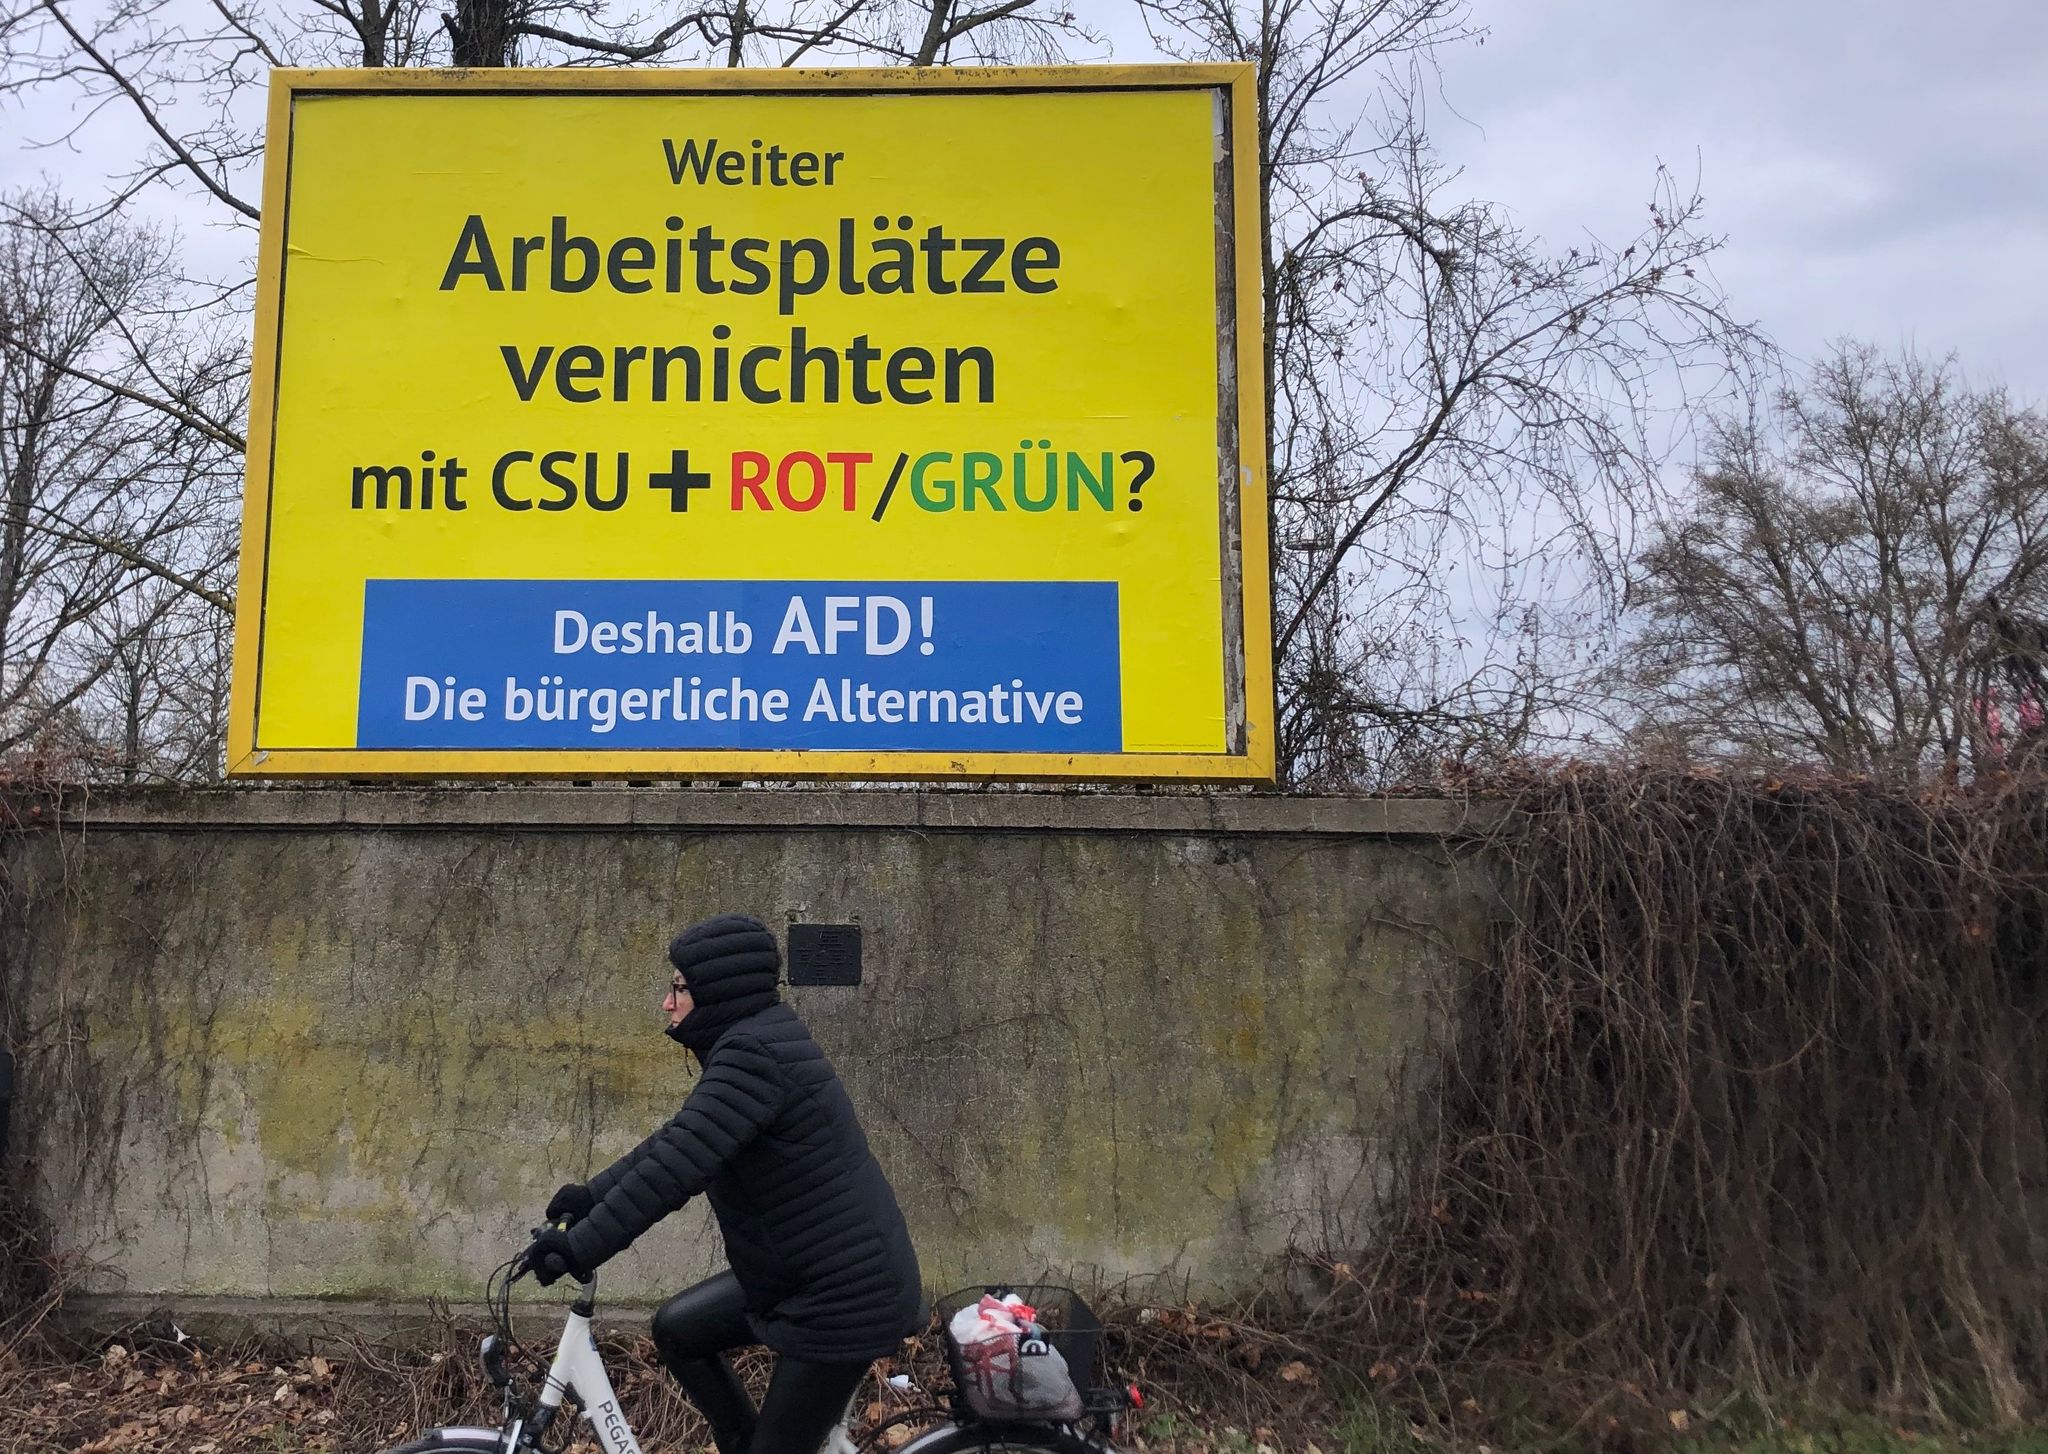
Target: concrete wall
[[343, 1043]]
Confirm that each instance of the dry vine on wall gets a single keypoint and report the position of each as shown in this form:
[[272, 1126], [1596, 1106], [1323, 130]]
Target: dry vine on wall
[[33, 1279], [1752, 1100]]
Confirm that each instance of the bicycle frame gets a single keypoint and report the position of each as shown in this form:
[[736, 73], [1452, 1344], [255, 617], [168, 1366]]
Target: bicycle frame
[[579, 1368]]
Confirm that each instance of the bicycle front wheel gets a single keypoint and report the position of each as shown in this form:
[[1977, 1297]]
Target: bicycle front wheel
[[956, 1438], [454, 1441]]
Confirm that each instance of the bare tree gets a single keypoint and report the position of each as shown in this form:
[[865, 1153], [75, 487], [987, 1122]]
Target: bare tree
[[1464, 424], [114, 474], [157, 712], [1823, 600]]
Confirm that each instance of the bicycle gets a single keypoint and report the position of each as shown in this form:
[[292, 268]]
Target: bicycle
[[576, 1378]]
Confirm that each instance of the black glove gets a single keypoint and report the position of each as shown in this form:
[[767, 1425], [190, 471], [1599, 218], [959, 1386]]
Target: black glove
[[571, 1204], [550, 1258]]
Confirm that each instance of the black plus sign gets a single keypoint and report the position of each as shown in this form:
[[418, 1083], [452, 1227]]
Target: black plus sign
[[679, 481]]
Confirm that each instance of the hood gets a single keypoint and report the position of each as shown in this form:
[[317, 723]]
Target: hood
[[732, 967]]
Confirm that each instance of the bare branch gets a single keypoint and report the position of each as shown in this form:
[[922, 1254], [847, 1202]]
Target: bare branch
[[149, 116], [218, 433], [57, 529]]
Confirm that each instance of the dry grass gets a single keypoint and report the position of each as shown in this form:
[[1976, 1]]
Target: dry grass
[[1753, 1101]]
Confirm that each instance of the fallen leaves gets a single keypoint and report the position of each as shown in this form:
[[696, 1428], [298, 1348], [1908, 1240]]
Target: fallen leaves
[[166, 1397], [126, 1437], [172, 1400]]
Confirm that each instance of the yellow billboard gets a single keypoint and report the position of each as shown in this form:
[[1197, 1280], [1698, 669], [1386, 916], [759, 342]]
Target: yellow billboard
[[866, 424]]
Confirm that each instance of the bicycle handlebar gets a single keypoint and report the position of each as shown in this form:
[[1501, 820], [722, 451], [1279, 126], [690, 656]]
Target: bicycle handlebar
[[554, 1264]]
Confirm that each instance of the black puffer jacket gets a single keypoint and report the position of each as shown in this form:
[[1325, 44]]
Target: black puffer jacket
[[811, 1227]]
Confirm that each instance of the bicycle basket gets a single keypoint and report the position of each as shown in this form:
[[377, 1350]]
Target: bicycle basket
[[1011, 1389]]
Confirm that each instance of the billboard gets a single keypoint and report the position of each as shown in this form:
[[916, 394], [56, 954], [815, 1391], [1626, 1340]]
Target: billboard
[[845, 423]]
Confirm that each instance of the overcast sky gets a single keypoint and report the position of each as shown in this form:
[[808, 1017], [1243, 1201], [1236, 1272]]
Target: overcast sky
[[1880, 167]]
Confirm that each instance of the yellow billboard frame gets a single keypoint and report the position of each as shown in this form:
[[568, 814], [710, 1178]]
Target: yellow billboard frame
[[1241, 246]]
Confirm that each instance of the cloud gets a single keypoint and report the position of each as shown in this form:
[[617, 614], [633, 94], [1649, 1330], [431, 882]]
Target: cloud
[[1876, 166]]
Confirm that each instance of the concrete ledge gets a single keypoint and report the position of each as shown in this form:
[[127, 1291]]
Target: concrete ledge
[[670, 810], [317, 1324]]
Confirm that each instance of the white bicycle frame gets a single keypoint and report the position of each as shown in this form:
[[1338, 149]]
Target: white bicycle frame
[[579, 1367]]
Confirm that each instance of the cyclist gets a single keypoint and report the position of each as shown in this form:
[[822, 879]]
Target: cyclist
[[822, 1270]]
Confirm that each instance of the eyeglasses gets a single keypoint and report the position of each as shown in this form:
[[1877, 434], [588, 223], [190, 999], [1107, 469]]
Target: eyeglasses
[[678, 986]]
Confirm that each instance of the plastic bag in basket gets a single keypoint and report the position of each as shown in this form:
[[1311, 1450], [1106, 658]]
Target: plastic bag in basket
[[1011, 1371]]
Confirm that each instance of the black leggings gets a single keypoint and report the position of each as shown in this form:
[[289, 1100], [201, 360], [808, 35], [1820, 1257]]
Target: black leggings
[[697, 1327]]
